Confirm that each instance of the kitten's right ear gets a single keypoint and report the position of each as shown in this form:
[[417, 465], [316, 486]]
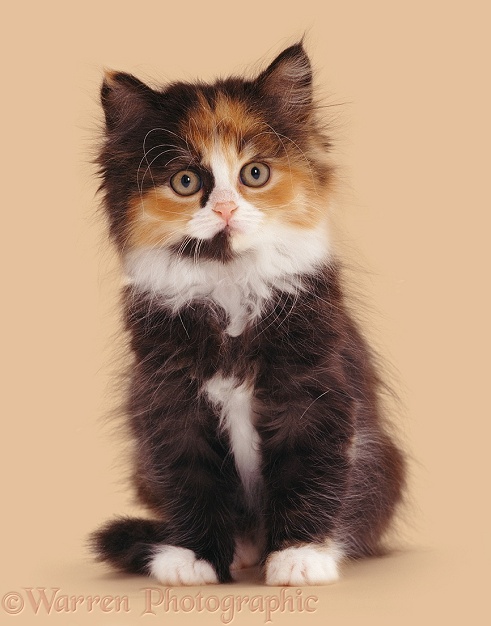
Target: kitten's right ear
[[125, 99], [288, 79]]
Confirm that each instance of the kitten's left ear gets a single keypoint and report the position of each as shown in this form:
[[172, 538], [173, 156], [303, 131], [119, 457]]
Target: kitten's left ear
[[288, 79], [125, 99]]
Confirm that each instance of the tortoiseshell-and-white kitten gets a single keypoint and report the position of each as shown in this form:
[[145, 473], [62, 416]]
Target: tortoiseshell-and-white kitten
[[254, 399]]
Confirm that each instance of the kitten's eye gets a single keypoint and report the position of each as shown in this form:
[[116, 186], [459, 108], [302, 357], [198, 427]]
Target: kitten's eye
[[255, 174], [185, 183]]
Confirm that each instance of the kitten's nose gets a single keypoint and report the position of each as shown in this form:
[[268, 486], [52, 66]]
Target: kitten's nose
[[225, 209]]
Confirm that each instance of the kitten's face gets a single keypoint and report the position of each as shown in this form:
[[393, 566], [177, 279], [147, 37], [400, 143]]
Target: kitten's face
[[214, 171]]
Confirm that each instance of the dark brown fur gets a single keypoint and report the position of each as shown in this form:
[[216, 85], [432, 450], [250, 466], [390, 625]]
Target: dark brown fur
[[329, 469]]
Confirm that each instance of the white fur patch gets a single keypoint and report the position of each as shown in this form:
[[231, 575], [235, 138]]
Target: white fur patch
[[234, 402], [176, 566], [246, 219], [241, 287], [309, 564]]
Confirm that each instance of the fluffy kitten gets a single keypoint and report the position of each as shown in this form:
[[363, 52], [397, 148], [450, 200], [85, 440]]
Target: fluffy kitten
[[254, 399]]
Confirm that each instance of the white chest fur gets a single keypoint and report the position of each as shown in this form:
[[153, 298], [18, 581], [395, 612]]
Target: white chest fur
[[233, 400], [242, 286], [277, 258]]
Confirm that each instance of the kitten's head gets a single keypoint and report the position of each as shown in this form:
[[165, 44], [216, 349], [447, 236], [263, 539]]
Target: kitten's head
[[215, 171]]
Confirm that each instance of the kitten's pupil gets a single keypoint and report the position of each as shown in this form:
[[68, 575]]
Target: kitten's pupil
[[255, 173], [185, 180]]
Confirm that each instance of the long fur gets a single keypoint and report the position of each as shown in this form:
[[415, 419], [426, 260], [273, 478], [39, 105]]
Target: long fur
[[254, 400]]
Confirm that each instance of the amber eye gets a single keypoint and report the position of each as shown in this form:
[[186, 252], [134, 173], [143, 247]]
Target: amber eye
[[185, 182], [255, 174]]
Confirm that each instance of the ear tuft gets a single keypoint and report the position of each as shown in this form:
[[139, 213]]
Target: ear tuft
[[288, 79], [110, 76]]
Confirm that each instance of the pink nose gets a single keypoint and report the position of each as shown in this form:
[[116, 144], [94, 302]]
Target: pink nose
[[225, 209]]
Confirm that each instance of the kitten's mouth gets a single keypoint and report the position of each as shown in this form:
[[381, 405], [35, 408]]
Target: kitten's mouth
[[217, 248], [231, 229]]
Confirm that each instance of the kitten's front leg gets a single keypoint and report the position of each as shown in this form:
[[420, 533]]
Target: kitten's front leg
[[306, 468], [185, 471], [187, 476], [199, 546]]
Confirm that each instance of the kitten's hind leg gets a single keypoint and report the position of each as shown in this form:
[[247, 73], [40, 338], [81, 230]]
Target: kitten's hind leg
[[376, 489]]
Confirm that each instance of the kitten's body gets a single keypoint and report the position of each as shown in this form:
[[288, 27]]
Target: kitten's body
[[254, 398]]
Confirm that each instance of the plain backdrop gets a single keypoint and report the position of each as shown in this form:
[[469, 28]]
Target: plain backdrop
[[406, 89]]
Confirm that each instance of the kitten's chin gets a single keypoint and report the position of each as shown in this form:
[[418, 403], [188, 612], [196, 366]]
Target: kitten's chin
[[241, 242], [218, 248]]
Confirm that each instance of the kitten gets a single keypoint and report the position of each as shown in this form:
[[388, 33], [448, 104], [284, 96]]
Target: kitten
[[254, 398]]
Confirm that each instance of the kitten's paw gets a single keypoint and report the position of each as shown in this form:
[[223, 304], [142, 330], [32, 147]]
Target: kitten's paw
[[246, 554], [175, 566], [309, 564]]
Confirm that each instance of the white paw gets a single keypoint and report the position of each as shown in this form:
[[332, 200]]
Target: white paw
[[310, 564], [175, 566], [246, 554]]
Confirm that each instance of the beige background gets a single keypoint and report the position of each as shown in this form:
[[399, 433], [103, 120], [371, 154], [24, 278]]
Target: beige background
[[413, 141]]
